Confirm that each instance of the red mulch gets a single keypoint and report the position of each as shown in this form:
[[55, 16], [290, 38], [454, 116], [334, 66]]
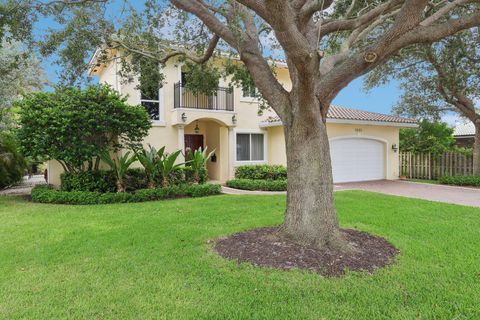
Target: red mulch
[[264, 247]]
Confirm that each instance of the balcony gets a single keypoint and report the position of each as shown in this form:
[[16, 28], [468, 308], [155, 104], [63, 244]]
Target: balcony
[[221, 101]]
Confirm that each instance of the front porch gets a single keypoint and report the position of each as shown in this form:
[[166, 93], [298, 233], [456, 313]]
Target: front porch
[[215, 136]]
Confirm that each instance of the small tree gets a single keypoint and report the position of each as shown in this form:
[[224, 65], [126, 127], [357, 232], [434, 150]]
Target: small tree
[[74, 126]]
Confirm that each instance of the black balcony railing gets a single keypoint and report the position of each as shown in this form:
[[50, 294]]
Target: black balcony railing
[[184, 98]]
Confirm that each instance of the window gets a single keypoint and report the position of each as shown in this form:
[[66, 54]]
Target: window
[[250, 147], [150, 85], [250, 92]]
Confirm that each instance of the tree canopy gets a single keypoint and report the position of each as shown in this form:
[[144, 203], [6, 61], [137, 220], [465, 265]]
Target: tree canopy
[[75, 126], [21, 73], [429, 137]]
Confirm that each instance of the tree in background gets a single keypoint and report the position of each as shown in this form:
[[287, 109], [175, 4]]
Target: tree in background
[[306, 31], [74, 126], [439, 78], [20, 73], [430, 137]]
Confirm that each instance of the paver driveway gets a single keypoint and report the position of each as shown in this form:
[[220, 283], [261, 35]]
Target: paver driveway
[[441, 193]]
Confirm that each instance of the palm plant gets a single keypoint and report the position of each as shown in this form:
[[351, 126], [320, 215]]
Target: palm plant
[[197, 160], [149, 160], [119, 165], [167, 165]]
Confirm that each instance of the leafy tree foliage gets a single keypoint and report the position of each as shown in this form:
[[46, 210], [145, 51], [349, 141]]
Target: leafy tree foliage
[[431, 137], [438, 78], [20, 73], [74, 126]]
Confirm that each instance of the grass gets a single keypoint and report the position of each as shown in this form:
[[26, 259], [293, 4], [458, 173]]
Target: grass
[[153, 260]]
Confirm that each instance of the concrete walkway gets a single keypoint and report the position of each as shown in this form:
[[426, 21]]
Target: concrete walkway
[[433, 192], [440, 193], [24, 187]]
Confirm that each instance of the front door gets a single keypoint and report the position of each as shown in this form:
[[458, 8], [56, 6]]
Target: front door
[[193, 141]]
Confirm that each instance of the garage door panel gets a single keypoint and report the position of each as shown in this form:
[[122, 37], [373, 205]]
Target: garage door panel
[[357, 159]]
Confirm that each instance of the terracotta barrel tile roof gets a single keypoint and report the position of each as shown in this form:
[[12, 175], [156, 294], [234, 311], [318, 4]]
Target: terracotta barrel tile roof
[[342, 113]]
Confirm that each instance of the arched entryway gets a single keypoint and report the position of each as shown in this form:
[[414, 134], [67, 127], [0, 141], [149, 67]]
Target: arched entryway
[[214, 135]]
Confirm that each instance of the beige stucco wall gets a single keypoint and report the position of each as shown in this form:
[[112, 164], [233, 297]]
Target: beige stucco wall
[[387, 134], [218, 127]]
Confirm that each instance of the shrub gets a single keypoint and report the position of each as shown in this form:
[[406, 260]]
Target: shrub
[[473, 181], [47, 194], [12, 164], [135, 179], [93, 181], [261, 172], [264, 185]]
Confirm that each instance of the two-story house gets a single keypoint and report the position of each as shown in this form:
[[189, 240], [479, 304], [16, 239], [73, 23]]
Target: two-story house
[[363, 144]]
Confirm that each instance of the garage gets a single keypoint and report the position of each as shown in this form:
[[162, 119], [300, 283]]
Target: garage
[[357, 159]]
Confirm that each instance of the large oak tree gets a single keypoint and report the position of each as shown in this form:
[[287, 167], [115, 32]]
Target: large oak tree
[[326, 44]]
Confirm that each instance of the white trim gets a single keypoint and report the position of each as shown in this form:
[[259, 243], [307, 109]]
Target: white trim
[[249, 99], [157, 123], [265, 124], [388, 147], [265, 147], [374, 123]]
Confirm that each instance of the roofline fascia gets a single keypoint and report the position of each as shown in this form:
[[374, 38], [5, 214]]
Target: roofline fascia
[[347, 121]]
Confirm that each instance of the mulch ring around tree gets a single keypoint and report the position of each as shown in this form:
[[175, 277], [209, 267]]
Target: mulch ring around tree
[[263, 247]]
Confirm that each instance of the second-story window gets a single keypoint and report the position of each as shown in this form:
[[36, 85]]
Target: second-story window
[[250, 92], [150, 85]]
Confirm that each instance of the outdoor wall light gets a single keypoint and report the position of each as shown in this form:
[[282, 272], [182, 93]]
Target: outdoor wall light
[[234, 119], [184, 117], [394, 147], [197, 129]]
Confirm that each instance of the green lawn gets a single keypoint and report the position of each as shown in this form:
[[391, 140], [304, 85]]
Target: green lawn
[[153, 260]]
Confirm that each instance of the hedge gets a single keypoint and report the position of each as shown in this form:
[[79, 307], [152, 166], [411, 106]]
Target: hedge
[[261, 172], [104, 181], [473, 181], [47, 194], [263, 185], [12, 163]]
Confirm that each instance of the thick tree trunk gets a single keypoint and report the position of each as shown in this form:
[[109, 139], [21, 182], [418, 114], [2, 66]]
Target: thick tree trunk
[[310, 217], [476, 149]]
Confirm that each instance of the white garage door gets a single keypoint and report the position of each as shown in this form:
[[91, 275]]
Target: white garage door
[[357, 159]]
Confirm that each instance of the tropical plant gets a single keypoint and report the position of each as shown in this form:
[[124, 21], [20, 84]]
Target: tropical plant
[[119, 165], [197, 160], [167, 165], [149, 160]]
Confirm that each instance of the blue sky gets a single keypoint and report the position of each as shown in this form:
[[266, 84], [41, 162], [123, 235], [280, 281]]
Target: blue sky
[[380, 99]]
